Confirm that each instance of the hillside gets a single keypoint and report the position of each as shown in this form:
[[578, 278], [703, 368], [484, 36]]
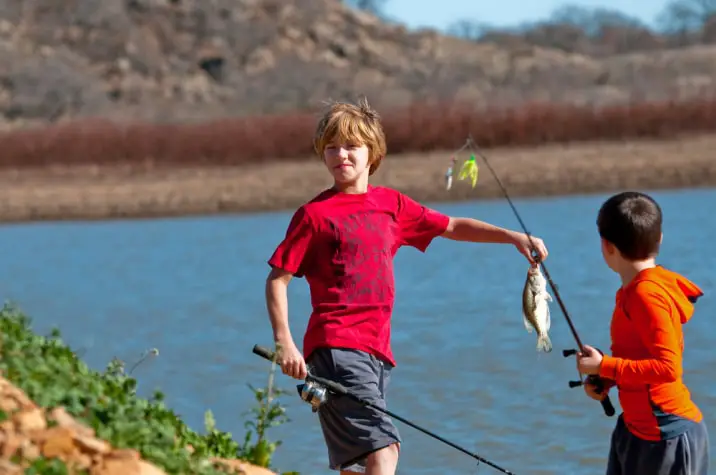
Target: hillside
[[190, 60]]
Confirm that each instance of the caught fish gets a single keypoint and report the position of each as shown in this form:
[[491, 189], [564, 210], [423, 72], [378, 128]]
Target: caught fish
[[535, 308]]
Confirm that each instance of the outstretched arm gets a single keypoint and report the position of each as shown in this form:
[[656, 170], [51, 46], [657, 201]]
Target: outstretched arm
[[473, 230]]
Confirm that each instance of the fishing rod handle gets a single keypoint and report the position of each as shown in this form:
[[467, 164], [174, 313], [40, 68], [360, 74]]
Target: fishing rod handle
[[609, 410], [606, 403], [267, 354], [264, 352]]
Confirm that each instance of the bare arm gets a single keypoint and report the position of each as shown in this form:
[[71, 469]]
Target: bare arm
[[277, 304], [290, 359], [472, 230]]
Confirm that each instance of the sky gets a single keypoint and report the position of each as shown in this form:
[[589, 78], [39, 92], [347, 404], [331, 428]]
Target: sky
[[440, 13]]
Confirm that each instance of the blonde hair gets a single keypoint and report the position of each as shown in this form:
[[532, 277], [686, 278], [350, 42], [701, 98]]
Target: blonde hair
[[358, 123]]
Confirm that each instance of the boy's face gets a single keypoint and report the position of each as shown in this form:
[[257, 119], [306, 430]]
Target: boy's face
[[610, 254], [347, 162]]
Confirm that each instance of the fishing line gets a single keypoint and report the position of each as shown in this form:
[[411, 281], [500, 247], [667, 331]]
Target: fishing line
[[592, 379], [315, 397]]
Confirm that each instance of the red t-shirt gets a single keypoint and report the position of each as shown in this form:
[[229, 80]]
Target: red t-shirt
[[344, 245]]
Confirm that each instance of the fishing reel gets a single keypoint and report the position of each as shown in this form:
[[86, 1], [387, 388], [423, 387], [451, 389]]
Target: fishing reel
[[591, 378], [606, 403], [313, 393]]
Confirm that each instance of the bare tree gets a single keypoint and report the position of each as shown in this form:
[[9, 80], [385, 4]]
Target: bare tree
[[593, 21], [468, 29], [688, 21], [688, 14], [373, 6]]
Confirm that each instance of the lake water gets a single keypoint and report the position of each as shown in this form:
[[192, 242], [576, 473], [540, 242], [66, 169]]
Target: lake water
[[467, 369]]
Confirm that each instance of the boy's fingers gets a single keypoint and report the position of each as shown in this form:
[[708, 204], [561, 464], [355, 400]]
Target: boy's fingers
[[290, 368], [294, 371]]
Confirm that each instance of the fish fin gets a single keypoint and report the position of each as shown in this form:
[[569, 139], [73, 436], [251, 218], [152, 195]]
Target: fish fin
[[528, 325], [547, 297], [544, 343], [548, 319]]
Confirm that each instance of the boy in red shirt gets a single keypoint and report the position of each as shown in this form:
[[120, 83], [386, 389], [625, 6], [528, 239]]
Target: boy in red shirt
[[661, 430], [343, 241]]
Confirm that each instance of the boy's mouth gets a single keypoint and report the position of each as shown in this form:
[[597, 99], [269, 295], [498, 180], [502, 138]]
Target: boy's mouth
[[342, 166]]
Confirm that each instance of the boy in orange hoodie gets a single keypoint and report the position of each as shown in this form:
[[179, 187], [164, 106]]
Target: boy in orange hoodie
[[661, 430]]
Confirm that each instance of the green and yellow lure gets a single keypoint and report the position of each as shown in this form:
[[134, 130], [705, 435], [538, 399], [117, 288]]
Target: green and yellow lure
[[469, 170]]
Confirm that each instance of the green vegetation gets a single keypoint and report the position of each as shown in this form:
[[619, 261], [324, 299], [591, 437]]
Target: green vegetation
[[52, 375]]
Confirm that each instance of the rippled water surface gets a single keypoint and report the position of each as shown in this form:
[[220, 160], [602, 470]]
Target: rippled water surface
[[466, 367]]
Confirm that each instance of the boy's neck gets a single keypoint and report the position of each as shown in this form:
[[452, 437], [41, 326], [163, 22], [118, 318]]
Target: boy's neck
[[357, 187], [630, 269]]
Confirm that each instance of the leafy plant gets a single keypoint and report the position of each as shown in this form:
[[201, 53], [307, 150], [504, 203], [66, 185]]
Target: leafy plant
[[52, 375]]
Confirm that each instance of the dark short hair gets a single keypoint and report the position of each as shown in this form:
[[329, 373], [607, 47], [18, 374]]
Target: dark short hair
[[632, 222]]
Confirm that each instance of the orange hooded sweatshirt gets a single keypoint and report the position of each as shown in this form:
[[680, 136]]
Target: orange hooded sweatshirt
[[647, 348]]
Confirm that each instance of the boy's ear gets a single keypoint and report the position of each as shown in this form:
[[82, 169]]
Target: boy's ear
[[661, 238], [608, 247]]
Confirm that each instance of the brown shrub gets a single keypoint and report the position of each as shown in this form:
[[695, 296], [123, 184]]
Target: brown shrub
[[418, 128]]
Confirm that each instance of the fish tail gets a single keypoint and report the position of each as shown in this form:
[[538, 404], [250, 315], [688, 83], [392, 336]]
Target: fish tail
[[544, 343]]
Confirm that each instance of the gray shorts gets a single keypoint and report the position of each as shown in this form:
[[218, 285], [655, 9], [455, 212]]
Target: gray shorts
[[351, 430], [685, 454]]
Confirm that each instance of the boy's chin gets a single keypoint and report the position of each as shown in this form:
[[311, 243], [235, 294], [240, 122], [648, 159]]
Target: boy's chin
[[345, 178]]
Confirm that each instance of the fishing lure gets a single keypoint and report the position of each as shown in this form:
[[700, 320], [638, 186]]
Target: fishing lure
[[469, 170], [448, 173]]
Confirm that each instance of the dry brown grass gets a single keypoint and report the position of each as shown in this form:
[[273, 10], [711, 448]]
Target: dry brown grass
[[101, 192], [420, 128]]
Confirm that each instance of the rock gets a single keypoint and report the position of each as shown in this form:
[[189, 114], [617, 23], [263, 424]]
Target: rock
[[9, 468], [242, 468], [125, 466], [26, 434], [91, 445], [30, 420], [60, 416], [59, 443]]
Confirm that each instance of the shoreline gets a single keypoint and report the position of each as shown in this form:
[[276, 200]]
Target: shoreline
[[116, 192]]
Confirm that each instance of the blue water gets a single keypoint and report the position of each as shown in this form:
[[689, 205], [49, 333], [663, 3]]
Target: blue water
[[467, 369]]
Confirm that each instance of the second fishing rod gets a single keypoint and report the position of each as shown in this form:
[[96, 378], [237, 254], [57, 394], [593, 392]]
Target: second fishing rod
[[591, 379], [316, 389]]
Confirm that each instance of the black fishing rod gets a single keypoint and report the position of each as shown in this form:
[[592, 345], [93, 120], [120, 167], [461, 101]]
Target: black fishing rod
[[591, 379], [338, 389]]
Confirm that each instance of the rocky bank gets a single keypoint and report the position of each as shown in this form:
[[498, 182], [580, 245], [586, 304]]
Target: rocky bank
[[29, 432], [191, 60]]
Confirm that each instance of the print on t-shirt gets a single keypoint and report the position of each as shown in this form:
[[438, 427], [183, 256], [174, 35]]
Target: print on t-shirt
[[362, 259]]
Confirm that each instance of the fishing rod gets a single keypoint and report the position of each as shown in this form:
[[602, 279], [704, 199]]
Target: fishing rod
[[591, 379], [314, 391]]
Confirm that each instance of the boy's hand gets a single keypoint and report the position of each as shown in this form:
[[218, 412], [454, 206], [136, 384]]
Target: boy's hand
[[589, 361], [291, 360], [591, 391], [524, 244]]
